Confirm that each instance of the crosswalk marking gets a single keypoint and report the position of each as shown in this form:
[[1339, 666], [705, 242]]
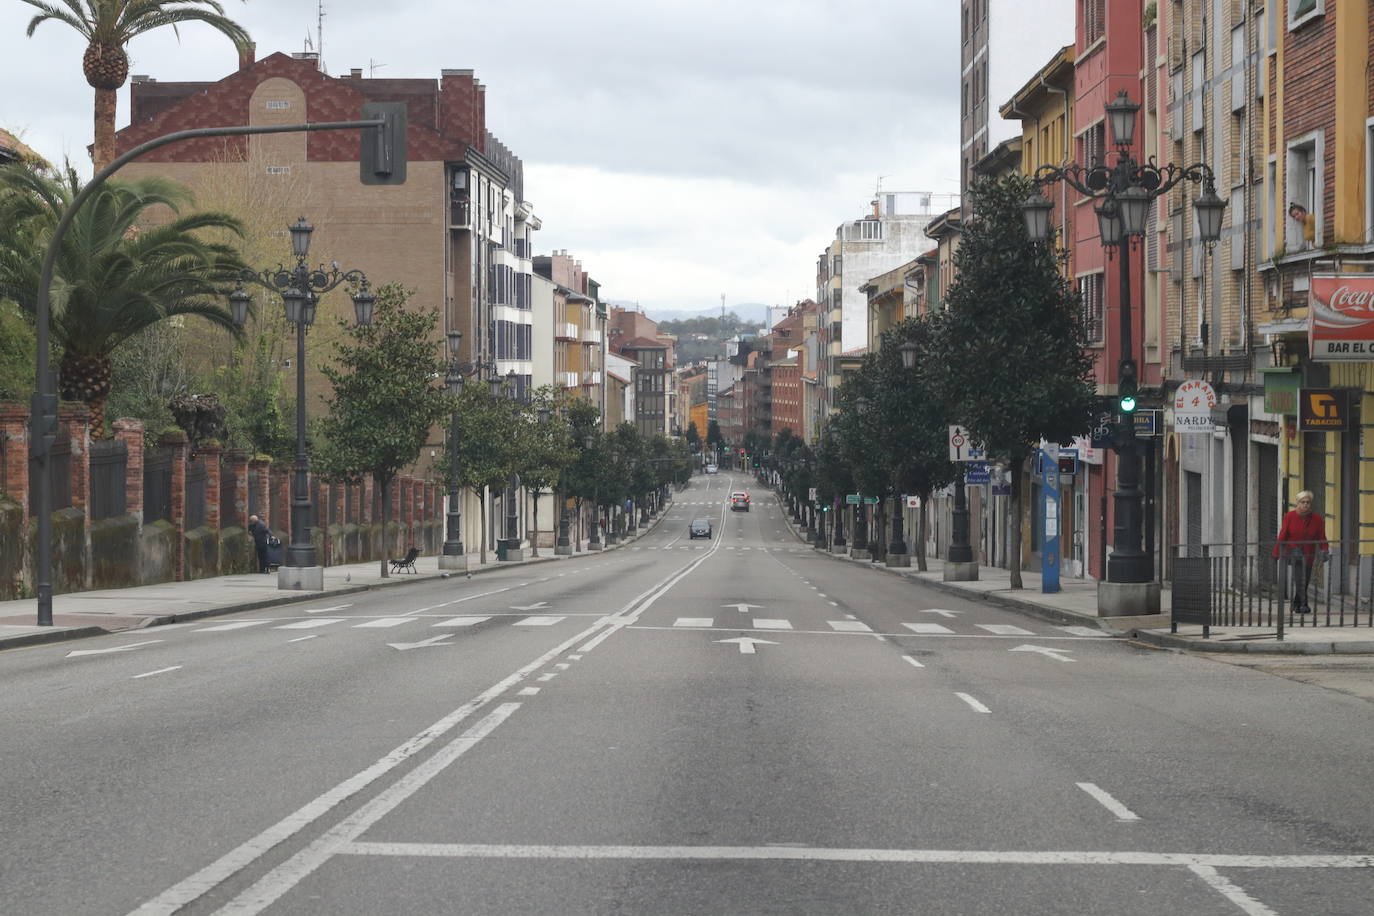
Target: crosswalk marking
[[849, 626], [237, 625], [927, 628], [1082, 631], [539, 621], [1003, 629], [461, 621], [310, 624], [766, 624], [694, 622], [382, 623]]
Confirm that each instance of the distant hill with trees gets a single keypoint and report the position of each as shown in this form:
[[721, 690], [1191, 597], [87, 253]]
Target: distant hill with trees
[[702, 337]]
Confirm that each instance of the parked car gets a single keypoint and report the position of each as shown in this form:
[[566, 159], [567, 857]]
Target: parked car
[[739, 501], [699, 528], [711, 469]]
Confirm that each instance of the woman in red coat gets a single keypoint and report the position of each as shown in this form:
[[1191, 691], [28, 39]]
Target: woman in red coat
[[1304, 532]]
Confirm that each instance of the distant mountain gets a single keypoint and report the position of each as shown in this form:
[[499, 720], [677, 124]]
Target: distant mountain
[[747, 311]]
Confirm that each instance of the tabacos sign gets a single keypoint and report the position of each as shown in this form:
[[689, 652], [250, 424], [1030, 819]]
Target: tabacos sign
[[1340, 317]]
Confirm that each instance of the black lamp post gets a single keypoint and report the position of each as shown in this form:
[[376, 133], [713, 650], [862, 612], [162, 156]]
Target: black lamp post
[[454, 556], [544, 414], [907, 349], [300, 288], [1126, 191], [594, 542]]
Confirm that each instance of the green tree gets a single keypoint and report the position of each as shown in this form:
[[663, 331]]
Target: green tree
[[108, 26], [17, 348], [713, 436], [578, 479], [1011, 345], [116, 274], [387, 396], [488, 447], [693, 436], [549, 448]]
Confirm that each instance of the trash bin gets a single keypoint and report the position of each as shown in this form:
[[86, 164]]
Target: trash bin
[[502, 546]]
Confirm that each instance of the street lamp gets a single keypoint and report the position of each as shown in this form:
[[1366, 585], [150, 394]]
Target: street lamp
[[1126, 190], [453, 555], [594, 542], [300, 288], [544, 414]]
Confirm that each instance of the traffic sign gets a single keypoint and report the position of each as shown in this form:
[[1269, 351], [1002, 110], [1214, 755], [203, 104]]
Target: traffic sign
[[961, 448], [976, 473], [870, 500], [852, 499]]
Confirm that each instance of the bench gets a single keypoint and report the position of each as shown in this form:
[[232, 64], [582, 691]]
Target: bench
[[406, 562]]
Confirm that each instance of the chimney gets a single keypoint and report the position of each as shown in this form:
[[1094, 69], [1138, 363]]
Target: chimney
[[247, 54], [356, 73]]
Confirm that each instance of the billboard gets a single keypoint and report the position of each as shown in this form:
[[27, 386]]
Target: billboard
[[1340, 318]]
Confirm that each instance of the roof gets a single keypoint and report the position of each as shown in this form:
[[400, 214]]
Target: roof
[[11, 147], [1058, 73], [642, 343]]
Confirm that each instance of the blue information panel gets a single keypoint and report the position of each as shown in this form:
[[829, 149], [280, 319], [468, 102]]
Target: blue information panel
[[976, 472], [1049, 520]]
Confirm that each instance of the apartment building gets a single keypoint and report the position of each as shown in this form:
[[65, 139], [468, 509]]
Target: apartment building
[[578, 330]]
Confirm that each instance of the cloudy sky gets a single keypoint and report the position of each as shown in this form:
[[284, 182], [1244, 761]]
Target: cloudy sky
[[682, 149]]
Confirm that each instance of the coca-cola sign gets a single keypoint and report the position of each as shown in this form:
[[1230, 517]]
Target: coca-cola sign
[[1340, 317]]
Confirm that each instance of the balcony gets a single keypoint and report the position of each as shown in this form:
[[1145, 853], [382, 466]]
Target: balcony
[[565, 330], [591, 336], [567, 379], [459, 213], [591, 377]]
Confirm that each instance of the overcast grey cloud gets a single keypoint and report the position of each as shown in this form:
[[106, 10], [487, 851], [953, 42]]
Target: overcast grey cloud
[[683, 150]]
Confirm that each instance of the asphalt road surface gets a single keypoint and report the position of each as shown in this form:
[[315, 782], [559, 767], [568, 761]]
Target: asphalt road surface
[[735, 726]]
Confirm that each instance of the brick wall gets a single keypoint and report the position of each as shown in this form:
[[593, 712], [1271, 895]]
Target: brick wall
[[1309, 93], [130, 431]]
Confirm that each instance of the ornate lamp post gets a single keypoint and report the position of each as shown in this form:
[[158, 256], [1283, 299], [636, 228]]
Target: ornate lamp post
[[1126, 190], [453, 555], [897, 552], [300, 288]]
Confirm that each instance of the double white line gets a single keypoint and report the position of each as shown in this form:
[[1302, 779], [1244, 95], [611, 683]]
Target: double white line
[[281, 879]]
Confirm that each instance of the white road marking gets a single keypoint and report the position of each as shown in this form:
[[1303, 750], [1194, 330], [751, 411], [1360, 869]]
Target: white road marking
[[849, 626], [528, 691], [547, 677], [325, 610], [1003, 629], [747, 643], [563, 666], [941, 611], [382, 623], [304, 638], [1121, 811], [295, 869], [461, 621], [1230, 891], [977, 707], [538, 621], [1083, 631], [693, 622], [833, 603], [840, 854], [237, 625], [310, 624], [158, 671], [927, 628], [124, 648], [1047, 651], [912, 662], [765, 624]]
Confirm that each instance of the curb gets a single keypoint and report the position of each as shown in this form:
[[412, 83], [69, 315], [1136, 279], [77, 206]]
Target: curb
[[38, 639], [1170, 641]]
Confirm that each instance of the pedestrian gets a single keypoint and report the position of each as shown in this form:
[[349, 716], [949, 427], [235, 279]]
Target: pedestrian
[[259, 533], [1304, 532]]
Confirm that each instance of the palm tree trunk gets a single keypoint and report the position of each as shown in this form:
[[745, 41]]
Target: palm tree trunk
[[97, 408], [104, 151]]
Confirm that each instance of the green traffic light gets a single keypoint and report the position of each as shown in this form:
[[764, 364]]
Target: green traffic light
[[1128, 404]]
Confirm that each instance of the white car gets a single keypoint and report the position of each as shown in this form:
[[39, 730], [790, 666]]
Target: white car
[[711, 469]]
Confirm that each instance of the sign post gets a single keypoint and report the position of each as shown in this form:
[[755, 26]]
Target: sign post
[[1049, 520]]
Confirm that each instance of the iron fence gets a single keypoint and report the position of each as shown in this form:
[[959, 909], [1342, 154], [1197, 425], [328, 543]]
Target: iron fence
[[109, 468], [254, 501], [1301, 584], [157, 485], [228, 495], [60, 463], [195, 495]]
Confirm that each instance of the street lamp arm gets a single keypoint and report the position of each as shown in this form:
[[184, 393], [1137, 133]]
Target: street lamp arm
[[1162, 179], [1090, 181], [282, 278]]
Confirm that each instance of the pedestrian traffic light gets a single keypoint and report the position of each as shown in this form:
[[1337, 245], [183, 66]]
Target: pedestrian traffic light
[[43, 425]]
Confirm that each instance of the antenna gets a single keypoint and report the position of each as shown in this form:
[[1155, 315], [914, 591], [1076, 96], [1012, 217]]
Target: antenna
[[373, 67], [319, 37]]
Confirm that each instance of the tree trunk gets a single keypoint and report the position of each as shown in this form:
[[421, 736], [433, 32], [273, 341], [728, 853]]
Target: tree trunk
[[1014, 535], [386, 517], [104, 151], [482, 510], [534, 535]]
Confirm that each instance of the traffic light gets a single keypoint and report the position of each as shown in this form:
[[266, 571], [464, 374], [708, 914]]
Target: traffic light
[[382, 151], [1127, 387], [43, 425]]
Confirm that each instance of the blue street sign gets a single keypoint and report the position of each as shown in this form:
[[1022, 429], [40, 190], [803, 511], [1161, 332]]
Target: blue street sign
[[1049, 521], [976, 472]]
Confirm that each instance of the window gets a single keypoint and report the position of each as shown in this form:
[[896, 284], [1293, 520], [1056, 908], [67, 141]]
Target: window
[[1271, 205], [1090, 291], [1094, 19], [835, 270], [278, 105], [1199, 79], [1301, 12], [1238, 69], [1238, 235], [1304, 205], [1092, 145]]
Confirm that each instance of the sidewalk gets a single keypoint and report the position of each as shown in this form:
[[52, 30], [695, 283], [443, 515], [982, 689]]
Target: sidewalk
[[1076, 603], [81, 614]]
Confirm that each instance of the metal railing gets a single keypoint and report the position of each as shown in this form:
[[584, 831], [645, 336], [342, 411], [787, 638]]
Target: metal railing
[[1308, 584], [195, 494], [157, 485], [109, 466]]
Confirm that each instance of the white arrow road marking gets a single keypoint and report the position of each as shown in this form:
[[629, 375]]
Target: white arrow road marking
[[432, 641], [742, 607], [747, 643], [158, 671], [537, 606], [941, 612], [124, 648], [1121, 811], [1045, 651]]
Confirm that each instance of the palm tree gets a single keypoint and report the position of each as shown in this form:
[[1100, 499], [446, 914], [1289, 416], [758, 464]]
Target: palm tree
[[119, 270], [108, 26]]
